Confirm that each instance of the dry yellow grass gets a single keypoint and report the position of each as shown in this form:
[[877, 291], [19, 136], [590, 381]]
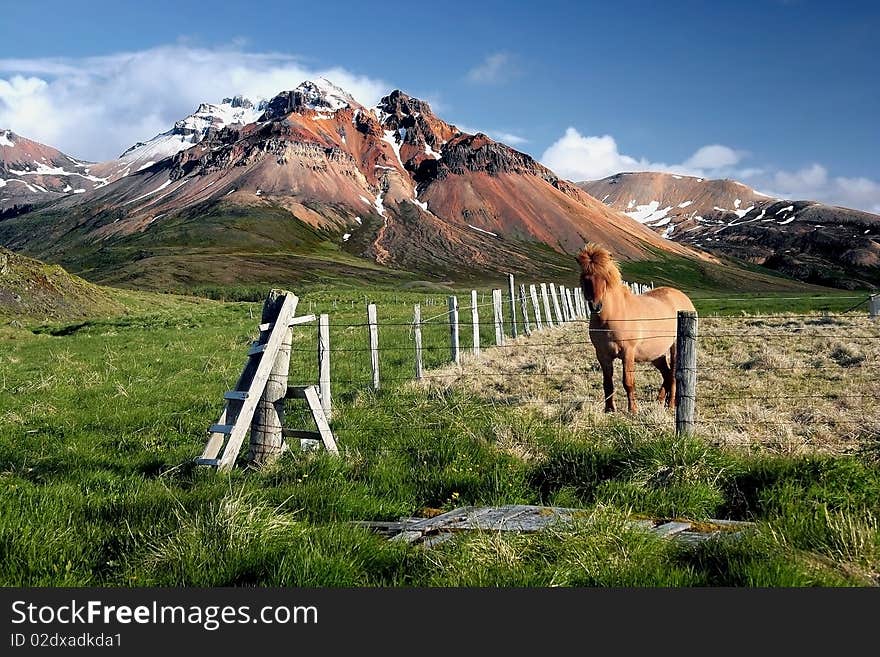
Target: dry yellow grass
[[784, 384]]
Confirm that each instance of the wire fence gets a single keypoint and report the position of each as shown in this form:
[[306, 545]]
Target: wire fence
[[798, 378]]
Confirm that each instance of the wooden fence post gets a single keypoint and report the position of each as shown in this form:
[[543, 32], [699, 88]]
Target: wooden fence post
[[374, 343], [499, 320], [534, 294], [267, 425], [556, 304], [572, 313], [874, 306], [685, 372], [548, 318], [524, 307], [475, 320], [417, 336], [560, 290], [453, 330], [512, 295], [324, 364]]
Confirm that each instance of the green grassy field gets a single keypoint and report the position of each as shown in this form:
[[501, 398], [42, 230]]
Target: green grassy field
[[100, 420]]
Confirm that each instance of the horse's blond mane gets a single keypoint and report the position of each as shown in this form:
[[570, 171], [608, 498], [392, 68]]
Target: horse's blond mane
[[596, 260]]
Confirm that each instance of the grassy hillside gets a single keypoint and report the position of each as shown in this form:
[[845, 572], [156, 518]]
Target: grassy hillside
[[30, 289], [221, 245], [99, 421]]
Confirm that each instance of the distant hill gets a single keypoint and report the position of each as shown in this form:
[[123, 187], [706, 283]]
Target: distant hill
[[807, 240]]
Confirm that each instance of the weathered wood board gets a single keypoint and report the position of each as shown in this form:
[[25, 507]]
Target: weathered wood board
[[528, 518]]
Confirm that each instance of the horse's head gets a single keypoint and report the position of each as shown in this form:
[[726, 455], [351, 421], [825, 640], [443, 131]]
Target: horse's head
[[598, 271]]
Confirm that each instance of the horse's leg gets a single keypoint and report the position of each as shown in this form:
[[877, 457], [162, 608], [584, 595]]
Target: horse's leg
[[629, 378], [608, 382], [663, 367], [670, 386]]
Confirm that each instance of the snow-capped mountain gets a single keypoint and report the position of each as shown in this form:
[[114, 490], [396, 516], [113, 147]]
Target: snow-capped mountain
[[32, 173], [805, 239], [394, 184], [185, 133]]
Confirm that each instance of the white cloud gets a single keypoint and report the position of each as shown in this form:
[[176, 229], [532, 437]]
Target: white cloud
[[814, 183], [96, 107], [496, 68], [713, 156], [579, 157]]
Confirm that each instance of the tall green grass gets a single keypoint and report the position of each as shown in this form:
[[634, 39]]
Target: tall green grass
[[100, 421]]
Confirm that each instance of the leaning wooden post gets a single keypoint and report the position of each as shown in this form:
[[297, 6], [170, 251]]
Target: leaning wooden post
[[524, 307], [512, 294], [417, 336], [267, 440], [453, 330], [475, 320], [534, 294], [499, 320], [685, 372], [874, 306], [374, 343], [548, 318], [555, 303], [324, 363]]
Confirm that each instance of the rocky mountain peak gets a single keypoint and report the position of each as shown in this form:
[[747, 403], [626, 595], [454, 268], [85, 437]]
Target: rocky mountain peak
[[238, 101], [317, 95]]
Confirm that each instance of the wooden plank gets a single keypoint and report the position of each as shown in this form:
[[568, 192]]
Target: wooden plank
[[324, 364], [373, 325], [304, 319], [255, 388], [671, 528], [533, 292], [266, 440], [323, 427], [241, 395], [548, 318], [512, 297], [417, 336], [455, 353]]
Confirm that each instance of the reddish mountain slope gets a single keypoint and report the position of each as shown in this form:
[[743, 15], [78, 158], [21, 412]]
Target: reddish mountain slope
[[394, 184]]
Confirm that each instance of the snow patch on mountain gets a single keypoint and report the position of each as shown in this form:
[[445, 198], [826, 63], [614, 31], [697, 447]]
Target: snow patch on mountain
[[649, 212], [6, 138], [391, 137], [485, 232]]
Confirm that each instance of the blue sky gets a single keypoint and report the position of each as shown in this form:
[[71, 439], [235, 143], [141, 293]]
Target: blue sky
[[782, 94]]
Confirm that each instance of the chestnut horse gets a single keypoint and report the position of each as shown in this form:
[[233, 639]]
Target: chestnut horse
[[632, 327]]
